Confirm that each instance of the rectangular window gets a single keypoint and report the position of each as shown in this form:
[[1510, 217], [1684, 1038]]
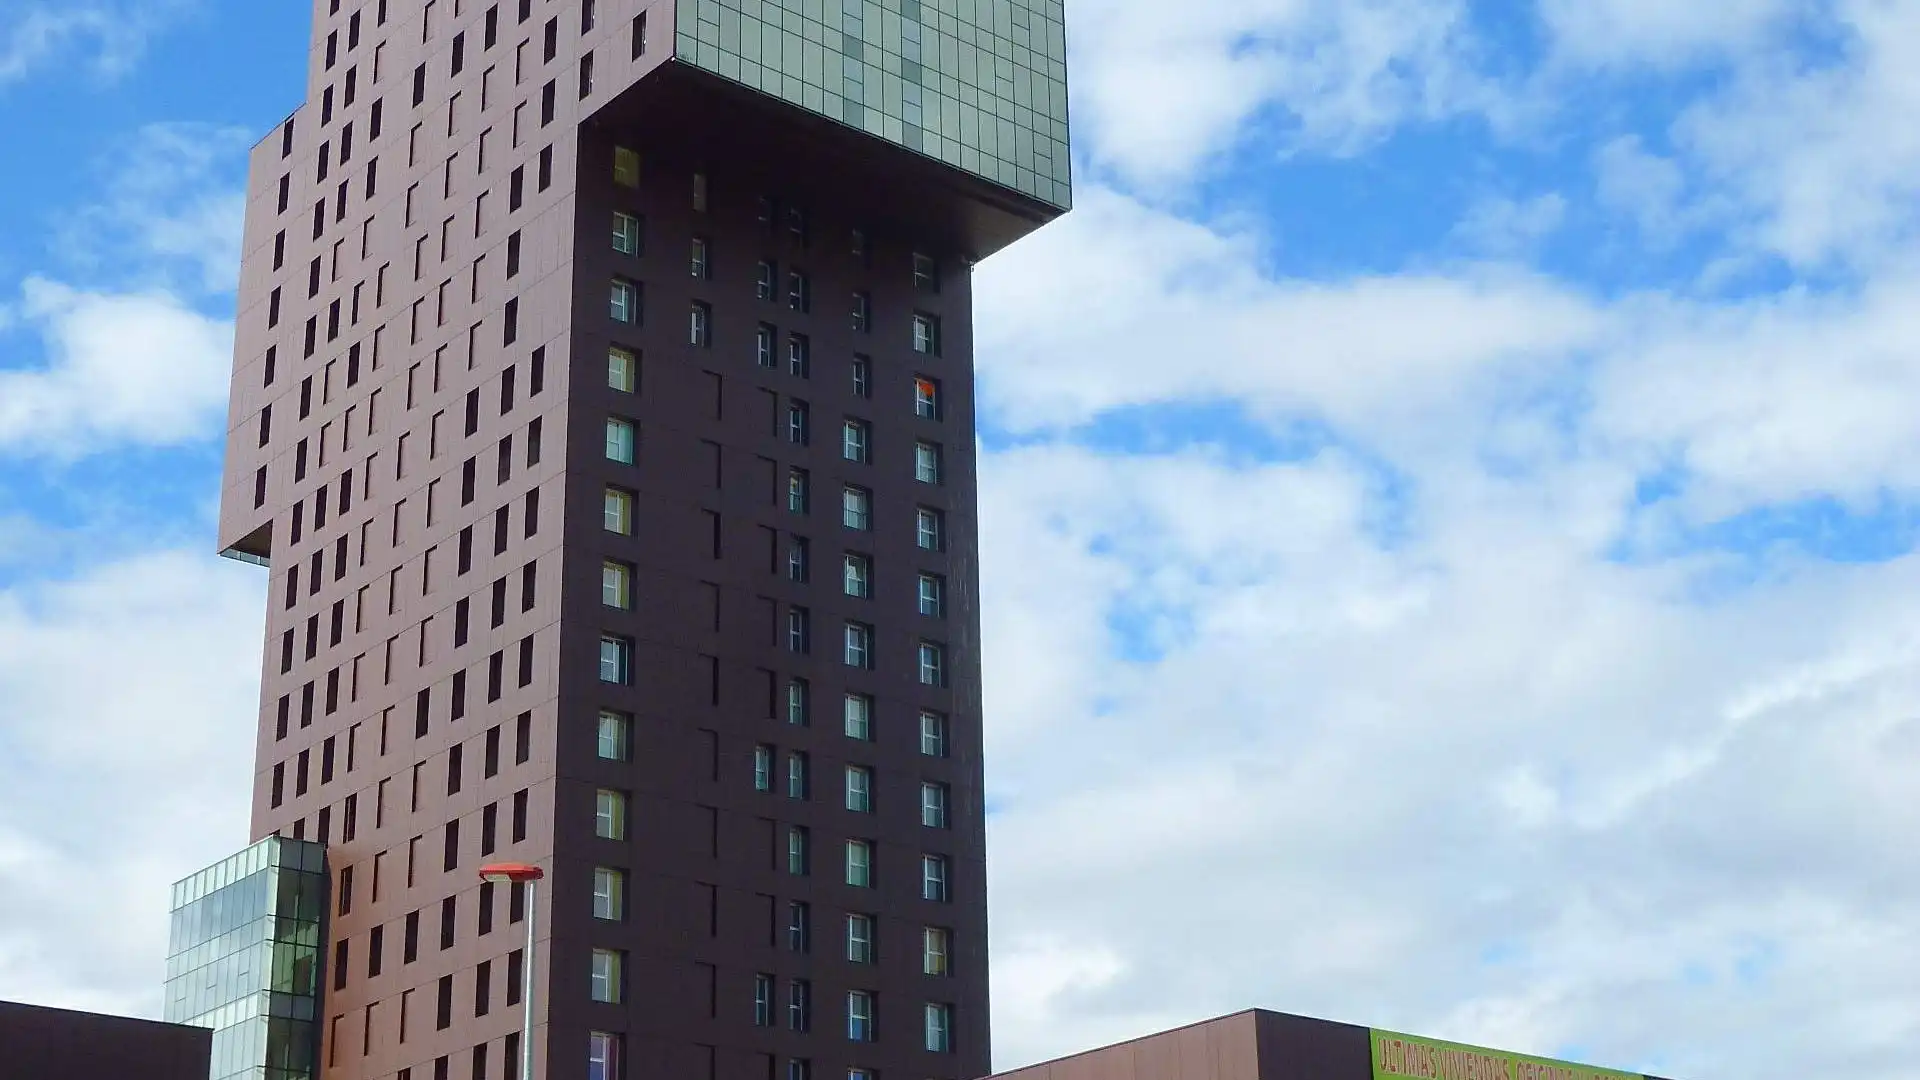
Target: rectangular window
[[616, 584], [933, 878], [618, 515], [854, 441], [933, 664], [763, 1001], [926, 274], [763, 338], [859, 1016], [933, 805], [799, 702], [609, 893], [799, 630], [862, 312], [623, 303], [926, 462], [763, 280], [616, 659], [626, 233], [935, 944], [799, 560], [933, 734], [859, 939], [798, 491], [933, 595], [862, 371], [856, 576], [859, 645], [929, 528], [799, 776], [763, 768], [797, 854], [926, 334], [799, 926], [610, 814], [626, 167], [607, 985], [799, 423], [858, 717], [856, 508], [615, 739], [699, 324], [939, 1029], [619, 440], [859, 794], [622, 370], [926, 398], [603, 1056], [860, 864], [799, 1007], [799, 356], [698, 261]]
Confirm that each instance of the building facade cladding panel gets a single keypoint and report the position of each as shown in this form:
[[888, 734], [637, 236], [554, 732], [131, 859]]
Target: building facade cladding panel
[[980, 85], [44, 1042], [430, 668]]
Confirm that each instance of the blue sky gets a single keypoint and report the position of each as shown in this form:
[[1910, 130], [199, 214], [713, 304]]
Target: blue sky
[[1451, 495]]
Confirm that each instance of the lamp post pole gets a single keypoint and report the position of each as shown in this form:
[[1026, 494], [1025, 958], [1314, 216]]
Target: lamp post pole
[[527, 876]]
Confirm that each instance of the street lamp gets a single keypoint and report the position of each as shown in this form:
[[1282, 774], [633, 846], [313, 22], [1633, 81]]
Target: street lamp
[[527, 876]]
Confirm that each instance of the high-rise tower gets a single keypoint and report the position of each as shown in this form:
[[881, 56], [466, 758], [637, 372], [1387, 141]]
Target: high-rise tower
[[603, 411]]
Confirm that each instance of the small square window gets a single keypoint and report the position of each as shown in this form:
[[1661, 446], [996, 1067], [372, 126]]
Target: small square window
[[933, 805], [615, 741], [933, 878], [699, 325], [607, 985], [856, 508], [623, 370], [610, 814], [859, 789], [859, 645], [616, 584], [926, 462], [620, 440], [856, 576], [859, 939], [859, 864], [623, 304], [858, 717], [926, 334], [933, 734], [626, 167], [929, 529], [854, 441], [626, 234], [936, 944], [799, 492], [939, 1029], [616, 659], [619, 511], [933, 664], [609, 894]]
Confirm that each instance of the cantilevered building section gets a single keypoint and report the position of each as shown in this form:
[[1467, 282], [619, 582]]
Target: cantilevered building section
[[603, 413]]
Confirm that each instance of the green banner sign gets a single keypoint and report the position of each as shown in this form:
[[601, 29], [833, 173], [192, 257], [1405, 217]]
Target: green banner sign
[[1397, 1056]]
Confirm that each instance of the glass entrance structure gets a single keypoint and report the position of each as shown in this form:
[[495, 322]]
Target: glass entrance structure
[[245, 959]]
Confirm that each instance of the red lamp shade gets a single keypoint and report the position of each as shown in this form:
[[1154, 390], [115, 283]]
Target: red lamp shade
[[511, 871]]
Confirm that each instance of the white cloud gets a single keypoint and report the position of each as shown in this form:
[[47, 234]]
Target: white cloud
[[1499, 225], [1657, 32], [118, 370], [127, 704], [105, 38], [1161, 89]]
